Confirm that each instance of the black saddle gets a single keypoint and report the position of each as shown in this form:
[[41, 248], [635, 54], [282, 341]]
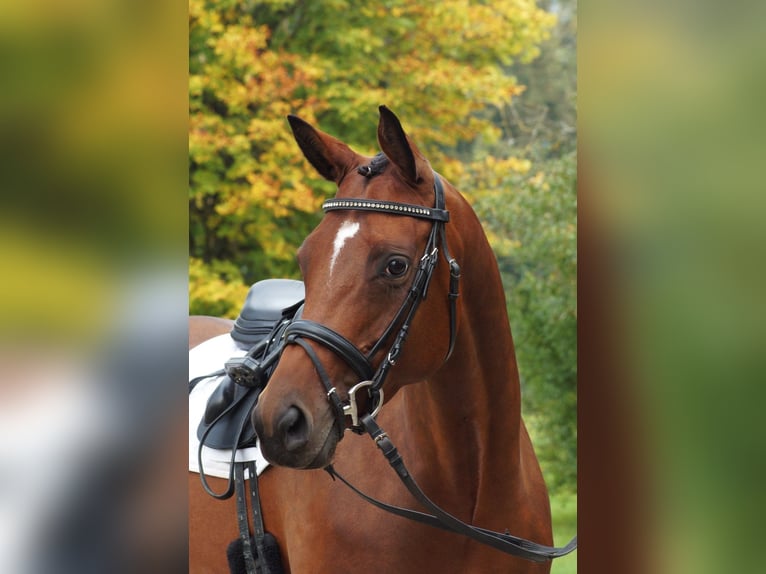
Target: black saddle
[[271, 305], [268, 302]]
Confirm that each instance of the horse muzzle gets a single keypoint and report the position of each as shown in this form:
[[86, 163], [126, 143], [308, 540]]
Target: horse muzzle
[[294, 438]]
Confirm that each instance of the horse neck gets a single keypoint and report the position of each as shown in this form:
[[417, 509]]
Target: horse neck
[[467, 417]]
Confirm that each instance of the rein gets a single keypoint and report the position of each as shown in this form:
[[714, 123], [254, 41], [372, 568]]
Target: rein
[[503, 541], [373, 379]]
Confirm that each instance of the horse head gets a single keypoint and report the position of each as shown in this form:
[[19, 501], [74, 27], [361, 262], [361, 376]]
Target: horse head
[[367, 267]]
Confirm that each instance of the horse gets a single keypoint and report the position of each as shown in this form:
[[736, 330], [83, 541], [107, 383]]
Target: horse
[[449, 398]]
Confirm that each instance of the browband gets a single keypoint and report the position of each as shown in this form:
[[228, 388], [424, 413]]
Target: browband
[[394, 207]]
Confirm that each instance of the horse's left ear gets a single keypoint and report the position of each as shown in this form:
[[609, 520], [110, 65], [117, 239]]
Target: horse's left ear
[[329, 156], [398, 147]]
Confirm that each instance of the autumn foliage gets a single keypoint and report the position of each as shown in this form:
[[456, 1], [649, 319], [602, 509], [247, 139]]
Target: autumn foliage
[[252, 197]]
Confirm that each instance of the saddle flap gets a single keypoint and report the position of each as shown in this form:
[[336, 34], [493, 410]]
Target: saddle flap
[[226, 423]]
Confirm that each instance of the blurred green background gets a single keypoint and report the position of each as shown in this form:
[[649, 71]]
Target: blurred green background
[[672, 149], [93, 287]]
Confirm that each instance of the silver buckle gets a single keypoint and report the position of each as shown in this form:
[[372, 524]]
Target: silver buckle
[[350, 409]]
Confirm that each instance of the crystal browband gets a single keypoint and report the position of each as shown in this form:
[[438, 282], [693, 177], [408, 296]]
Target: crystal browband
[[387, 207]]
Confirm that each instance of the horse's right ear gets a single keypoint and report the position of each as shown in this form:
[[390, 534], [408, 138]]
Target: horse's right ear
[[329, 156]]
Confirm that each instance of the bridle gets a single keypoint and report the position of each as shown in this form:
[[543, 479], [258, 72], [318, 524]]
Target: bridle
[[373, 379], [251, 372]]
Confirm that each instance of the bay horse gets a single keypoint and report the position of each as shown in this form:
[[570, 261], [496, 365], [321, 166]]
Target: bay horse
[[449, 397]]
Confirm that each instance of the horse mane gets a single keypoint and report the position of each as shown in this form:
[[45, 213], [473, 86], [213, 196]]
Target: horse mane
[[375, 167]]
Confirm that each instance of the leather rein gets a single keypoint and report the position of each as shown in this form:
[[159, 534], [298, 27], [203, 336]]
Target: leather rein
[[372, 379]]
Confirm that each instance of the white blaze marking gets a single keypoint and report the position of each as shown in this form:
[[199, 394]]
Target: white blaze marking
[[347, 230]]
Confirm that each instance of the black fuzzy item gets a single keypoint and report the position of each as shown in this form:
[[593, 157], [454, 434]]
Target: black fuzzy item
[[271, 555], [272, 560], [236, 557]]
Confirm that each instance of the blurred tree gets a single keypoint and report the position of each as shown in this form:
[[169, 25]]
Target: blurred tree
[[542, 123], [218, 288]]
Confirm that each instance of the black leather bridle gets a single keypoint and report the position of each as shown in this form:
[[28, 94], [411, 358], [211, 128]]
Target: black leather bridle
[[372, 379]]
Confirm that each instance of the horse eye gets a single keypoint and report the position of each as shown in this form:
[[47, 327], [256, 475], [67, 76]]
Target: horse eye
[[397, 267]]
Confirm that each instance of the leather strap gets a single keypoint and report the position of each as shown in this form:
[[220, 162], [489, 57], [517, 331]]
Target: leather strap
[[334, 341], [244, 529], [231, 481], [454, 269], [433, 213], [332, 395], [259, 531], [504, 542], [253, 548]]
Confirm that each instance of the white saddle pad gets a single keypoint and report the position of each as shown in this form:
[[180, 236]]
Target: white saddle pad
[[205, 358]]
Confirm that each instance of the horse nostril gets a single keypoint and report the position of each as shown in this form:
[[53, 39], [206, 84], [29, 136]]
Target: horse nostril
[[293, 428]]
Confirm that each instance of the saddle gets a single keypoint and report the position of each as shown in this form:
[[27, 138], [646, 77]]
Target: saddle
[[271, 305]]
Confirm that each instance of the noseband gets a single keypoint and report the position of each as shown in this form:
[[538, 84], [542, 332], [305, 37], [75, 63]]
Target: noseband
[[372, 379]]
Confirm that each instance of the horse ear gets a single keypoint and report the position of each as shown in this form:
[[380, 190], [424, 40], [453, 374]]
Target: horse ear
[[329, 156], [398, 147]]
